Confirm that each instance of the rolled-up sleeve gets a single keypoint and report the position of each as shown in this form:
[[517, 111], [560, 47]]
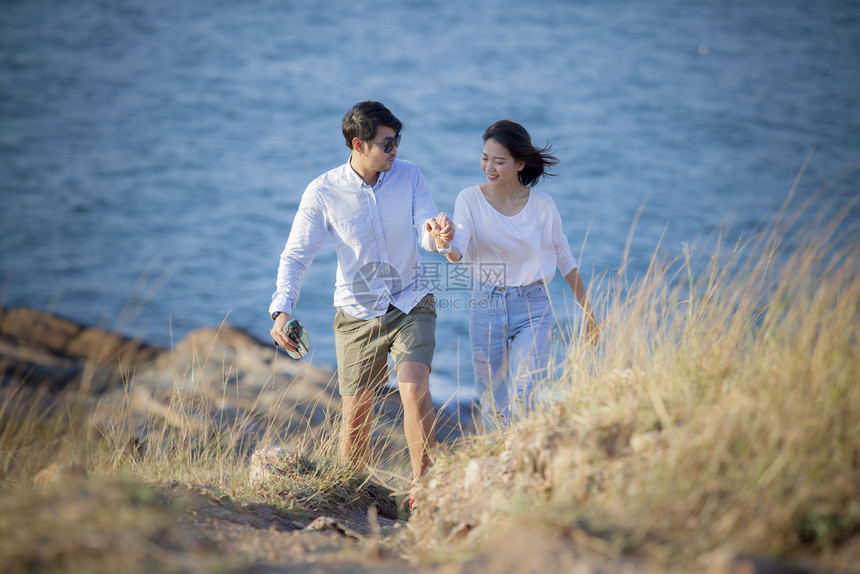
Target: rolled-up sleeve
[[307, 236]]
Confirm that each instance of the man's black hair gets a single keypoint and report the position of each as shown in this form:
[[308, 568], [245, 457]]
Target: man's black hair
[[365, 118]]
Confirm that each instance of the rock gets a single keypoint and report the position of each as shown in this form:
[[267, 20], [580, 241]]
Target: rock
[[232, 346], [327, 524], [38, 330], [39, 349], [109, 348], [37, 366], [214, 345], [273, 462]]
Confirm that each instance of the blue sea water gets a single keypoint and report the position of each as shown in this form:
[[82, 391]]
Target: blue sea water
[[152, 154]]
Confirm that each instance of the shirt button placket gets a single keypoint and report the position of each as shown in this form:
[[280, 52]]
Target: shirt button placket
[[377, 228]]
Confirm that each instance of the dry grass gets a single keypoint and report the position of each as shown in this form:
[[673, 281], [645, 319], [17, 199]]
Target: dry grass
[[100, 526], [721, 411], [106, 503]]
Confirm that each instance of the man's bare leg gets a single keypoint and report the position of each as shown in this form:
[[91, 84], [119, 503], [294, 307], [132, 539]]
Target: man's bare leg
[[418, 413], [355, 428]]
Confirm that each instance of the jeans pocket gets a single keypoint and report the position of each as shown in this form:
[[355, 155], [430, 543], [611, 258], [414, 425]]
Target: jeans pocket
[[535, 292]]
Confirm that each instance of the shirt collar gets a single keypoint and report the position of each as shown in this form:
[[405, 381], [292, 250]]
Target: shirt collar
[[351, 177]]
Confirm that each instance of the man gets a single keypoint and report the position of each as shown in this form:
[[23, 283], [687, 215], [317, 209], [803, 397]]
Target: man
[[371, 207]]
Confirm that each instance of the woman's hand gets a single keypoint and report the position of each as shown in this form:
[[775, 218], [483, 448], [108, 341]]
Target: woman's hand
[[442, 230], [592, 329]]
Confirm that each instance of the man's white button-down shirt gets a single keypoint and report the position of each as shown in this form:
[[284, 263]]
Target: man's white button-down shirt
[[374, 233]]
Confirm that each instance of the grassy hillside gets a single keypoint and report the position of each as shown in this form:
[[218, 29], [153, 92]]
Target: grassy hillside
[[720, 413]]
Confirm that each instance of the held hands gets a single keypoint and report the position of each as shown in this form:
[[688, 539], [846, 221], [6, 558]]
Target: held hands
[[441, 229]]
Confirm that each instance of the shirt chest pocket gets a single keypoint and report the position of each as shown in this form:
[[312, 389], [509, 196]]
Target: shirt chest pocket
[[353, 231]]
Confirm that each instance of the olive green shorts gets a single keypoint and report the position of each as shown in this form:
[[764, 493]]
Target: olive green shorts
[[363, 346]]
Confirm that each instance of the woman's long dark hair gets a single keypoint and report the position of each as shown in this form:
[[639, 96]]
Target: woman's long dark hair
[[516, 140]]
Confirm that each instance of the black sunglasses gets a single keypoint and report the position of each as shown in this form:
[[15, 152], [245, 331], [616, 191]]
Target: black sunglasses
[[389, 144]]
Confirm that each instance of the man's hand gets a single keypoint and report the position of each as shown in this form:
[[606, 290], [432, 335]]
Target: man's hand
[[278, 334]]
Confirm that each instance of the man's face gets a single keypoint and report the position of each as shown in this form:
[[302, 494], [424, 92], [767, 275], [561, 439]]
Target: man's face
[[375, 149]]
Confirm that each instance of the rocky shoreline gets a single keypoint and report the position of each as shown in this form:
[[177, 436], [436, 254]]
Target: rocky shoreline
[[216, 382], [43, 351]]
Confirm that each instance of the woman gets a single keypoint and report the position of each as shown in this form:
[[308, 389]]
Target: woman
[[510, 236]]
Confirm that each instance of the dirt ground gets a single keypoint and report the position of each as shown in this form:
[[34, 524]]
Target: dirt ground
[[256, 539]]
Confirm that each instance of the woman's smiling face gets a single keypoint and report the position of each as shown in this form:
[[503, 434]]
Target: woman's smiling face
[[499, 165]]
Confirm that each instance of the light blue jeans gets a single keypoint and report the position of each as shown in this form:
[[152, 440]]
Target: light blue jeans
[[509, 330]]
